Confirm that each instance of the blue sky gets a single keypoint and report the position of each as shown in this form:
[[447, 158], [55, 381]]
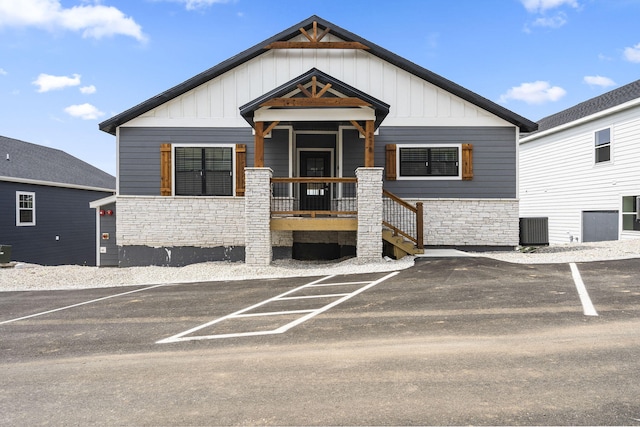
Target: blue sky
[[67, 65]]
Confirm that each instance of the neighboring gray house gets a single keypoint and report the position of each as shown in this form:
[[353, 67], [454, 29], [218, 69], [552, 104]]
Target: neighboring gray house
[[581, 169], [285, 149], [44, 204]]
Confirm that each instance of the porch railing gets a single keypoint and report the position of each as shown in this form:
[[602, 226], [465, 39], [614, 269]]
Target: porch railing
[[313, 196], [403, 218]]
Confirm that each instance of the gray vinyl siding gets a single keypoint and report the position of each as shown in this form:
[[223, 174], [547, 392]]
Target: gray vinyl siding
[[139, 152], [62, 212], [353, 152], [494, 161], [494, 156], [276, 152]]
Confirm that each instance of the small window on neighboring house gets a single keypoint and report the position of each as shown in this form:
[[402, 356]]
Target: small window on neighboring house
[[603, 145], [25, 208], [631, 213], [204, 171], [429, 161]]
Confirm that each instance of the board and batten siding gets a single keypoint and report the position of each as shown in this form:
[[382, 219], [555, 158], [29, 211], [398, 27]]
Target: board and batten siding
[[494, 161], [414, 102], [559, 178]]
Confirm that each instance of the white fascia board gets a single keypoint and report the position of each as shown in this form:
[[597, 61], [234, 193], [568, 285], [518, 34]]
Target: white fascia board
[[186, 122], [54, 184], [603, 113], [313, 114], [101, 202]]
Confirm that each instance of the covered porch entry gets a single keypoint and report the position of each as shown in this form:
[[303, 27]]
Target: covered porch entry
[[314, 175]]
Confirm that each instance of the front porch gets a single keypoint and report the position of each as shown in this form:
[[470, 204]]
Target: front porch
[[315, 189], [329, 204]]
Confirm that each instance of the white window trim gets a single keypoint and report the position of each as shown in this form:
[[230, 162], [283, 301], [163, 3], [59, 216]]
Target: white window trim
[[33, 209], [595, 147], [399, 177], [233, 166], [635, 213]]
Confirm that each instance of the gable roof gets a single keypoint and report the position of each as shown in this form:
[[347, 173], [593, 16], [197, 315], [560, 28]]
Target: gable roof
[[31, 163], [381, 108], [111, 124], [592, 106]]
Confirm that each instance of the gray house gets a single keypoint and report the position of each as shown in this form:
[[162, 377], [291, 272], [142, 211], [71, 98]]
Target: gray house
[[44, 204], [313, 143]]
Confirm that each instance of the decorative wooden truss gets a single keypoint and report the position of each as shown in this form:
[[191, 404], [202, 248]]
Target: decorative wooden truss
[[314, 42], [314, 98]]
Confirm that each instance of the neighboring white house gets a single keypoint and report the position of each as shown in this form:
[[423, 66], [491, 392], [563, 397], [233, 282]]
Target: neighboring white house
[[581, 169]]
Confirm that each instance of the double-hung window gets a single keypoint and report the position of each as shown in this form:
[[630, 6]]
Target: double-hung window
[[204, 171], [25, 208], [433, 161], [631, 213], [603, 145]]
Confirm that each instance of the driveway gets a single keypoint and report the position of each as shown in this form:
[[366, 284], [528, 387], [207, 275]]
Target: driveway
[[447, 342]]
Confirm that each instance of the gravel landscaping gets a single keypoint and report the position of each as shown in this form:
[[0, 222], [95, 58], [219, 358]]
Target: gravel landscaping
[[29, 277]]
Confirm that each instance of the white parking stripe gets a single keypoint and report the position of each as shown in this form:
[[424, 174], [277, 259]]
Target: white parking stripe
[[178, 337], [312, 296], [183, 336], [79, 304], [333, 304], [587, 305]]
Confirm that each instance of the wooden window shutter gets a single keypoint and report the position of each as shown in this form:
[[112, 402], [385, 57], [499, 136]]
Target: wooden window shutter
[[241, 163], [165, 169], [390, 162], [467, 162]]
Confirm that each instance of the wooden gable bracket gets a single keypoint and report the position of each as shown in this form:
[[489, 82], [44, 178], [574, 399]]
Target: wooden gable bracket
[[367, 132], [260, 132], [314, 42], [315, 99]]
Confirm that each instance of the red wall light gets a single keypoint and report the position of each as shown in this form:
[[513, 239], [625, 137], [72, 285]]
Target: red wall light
[[102, 212], [109, 212]]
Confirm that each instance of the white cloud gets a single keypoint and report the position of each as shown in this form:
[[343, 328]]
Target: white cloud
[[94, 20], [88, 90], [537, 92], [541, 6], [47, 82], [556, 21], [84, 111], [632, 54], [198, 4], [3, 72], [599, 81]]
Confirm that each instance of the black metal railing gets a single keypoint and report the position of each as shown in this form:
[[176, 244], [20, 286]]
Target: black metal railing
[[403, 218], [313, 196]]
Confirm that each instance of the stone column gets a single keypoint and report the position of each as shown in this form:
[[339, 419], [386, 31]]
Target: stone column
[[257, 201], [369, 213]]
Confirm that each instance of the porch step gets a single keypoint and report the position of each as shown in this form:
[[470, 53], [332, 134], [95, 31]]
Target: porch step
[[401, 246]]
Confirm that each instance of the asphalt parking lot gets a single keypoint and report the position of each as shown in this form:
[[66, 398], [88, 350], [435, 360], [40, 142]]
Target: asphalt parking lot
[[449, 341]]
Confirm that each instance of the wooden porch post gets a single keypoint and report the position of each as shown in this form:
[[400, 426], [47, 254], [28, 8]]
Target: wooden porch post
[[368, 144], [258, 155], [420, 225]]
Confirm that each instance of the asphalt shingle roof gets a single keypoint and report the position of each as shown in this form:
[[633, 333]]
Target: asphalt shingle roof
[[595, 105], [24, 160]]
